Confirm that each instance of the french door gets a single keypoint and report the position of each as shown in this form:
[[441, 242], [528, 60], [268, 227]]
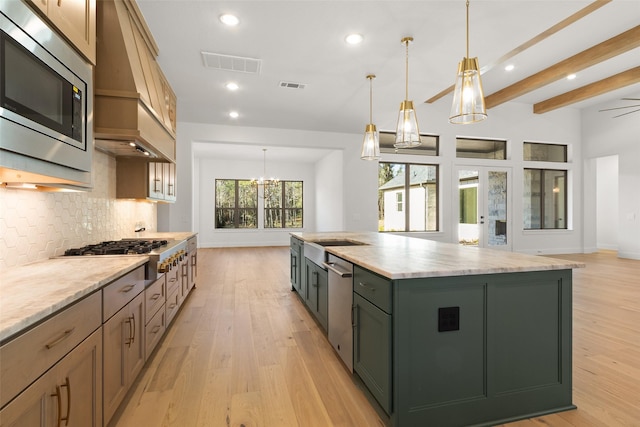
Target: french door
[[483, 206]]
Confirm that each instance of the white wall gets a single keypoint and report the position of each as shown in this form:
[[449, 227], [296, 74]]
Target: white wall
[[607, 136], [328, 193], [513, 122], [607, 202]]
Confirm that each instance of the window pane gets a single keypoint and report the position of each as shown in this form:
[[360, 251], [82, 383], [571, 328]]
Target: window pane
[[248, 218], [497, 204], [293, 218], [273, 218], [273, 195], [429, 146], [481, 149], [293, 194], [545, 199], [545, 152], [423, 206], [391, 189], [225, 193], [224, 218], [247, 194]]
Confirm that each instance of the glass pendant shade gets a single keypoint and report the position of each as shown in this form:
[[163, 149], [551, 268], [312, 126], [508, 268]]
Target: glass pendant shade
[[468, 97], [407, 132], [370, 143]]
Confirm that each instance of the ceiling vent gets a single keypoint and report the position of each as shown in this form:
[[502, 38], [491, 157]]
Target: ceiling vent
[[292, 85], [238, 64]]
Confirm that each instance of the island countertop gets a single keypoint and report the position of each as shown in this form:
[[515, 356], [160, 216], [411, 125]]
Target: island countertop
[[401, 257]]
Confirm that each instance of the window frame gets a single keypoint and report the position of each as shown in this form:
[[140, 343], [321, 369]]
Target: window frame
[[236, 209], [284, 208], [542, 198]]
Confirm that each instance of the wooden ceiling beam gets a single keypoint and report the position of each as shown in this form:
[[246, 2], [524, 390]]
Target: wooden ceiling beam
[[597, 4], [615, 46], [614, 82]]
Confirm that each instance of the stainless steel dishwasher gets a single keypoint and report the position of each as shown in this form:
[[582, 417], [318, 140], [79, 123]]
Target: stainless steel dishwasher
[[340, 307]]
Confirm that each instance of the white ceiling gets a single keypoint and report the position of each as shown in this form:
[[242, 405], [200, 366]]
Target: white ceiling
[[302, 41]]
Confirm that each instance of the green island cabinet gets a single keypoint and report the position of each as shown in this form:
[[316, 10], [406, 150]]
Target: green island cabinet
[[316, 296], [297, 254], [464, 350]]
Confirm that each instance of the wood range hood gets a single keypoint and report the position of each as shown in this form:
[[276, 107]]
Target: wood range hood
[[134, 105]]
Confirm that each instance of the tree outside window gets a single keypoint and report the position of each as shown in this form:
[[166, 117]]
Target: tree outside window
[[283, 205], [236, 204]]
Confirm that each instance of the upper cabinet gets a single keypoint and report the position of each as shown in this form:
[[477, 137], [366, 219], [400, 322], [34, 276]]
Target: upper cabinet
[[135, 107], [76, 21], [143, 180]]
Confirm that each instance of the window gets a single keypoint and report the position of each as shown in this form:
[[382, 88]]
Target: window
[[481, 148], [429, 146], [545, 199], [236, 204], [283, 205], [545, 152], [407, 197]]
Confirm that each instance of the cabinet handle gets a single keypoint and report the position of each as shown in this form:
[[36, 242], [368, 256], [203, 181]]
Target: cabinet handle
[[156, 329], [59, 3], [66, 334], [172, 306], [369, 288], [68, 386], [58, 397], [127, 289], [315, 276], [133, 322], [130, 339], [353, 323], [155, 297]]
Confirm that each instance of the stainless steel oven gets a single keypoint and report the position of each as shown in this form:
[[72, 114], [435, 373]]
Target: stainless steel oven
[[46, 92]]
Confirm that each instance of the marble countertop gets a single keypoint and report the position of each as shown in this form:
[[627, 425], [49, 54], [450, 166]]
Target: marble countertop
[[400, 257], [31, 292]]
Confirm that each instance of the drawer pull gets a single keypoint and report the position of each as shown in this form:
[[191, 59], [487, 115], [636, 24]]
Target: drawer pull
[[66, 334], [155, 297], [172, 306], [127, 288], [156, 329], [367, 287]]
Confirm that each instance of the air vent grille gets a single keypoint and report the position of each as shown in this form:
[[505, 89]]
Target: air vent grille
[[292, 85], [238, 64]]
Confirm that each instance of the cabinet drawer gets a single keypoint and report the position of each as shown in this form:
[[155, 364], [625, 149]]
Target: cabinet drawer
[[153, 332], [173, 304], [173, 279], [374, 288], [192, 244], [117, 294], [155, 298], [28, 356]]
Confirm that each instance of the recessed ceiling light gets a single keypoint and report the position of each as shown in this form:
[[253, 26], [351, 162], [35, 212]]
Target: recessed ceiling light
[[230, 20], [354, 38], [571, 76], [232, 86], [234, 114], [509, 67]]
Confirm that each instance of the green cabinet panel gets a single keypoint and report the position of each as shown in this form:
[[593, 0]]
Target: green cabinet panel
[[372, 349], [296, 264], [316, 292]]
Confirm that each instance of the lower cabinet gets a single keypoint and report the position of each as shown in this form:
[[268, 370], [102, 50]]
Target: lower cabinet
[[317, 292], [372, 349], [70, 392], [124, 353]]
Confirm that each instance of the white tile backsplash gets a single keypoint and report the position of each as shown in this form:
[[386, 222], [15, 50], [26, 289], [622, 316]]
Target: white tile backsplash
[[38, 225]]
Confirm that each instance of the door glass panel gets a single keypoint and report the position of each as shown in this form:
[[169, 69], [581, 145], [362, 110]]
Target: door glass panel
[[468, 231], [497, 208]]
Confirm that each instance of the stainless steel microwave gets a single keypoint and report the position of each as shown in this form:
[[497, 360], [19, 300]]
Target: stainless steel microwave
[[46, 96]]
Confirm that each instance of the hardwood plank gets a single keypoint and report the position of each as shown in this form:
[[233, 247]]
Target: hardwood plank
[[244, 349]]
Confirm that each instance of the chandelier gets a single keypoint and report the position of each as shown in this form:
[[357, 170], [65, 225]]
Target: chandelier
[[263, 181]]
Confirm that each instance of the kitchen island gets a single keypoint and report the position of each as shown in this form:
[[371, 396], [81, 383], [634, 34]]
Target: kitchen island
[[449, 335]]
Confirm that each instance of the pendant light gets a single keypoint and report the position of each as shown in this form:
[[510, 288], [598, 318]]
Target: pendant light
[[407, 132], [468, 98], [371, 141]]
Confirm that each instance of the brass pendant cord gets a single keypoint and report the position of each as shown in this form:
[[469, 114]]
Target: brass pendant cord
[[467, 28], [406, 75], [370, 77]]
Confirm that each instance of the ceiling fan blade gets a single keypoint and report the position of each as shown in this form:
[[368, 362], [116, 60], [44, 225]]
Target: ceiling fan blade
[[628, 112], [620, 108], [630, 99]]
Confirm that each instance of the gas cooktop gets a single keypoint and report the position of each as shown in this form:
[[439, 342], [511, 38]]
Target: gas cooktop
[[121, 247]]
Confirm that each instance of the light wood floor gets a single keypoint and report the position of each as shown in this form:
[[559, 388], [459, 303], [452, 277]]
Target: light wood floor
[[243, 351]]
